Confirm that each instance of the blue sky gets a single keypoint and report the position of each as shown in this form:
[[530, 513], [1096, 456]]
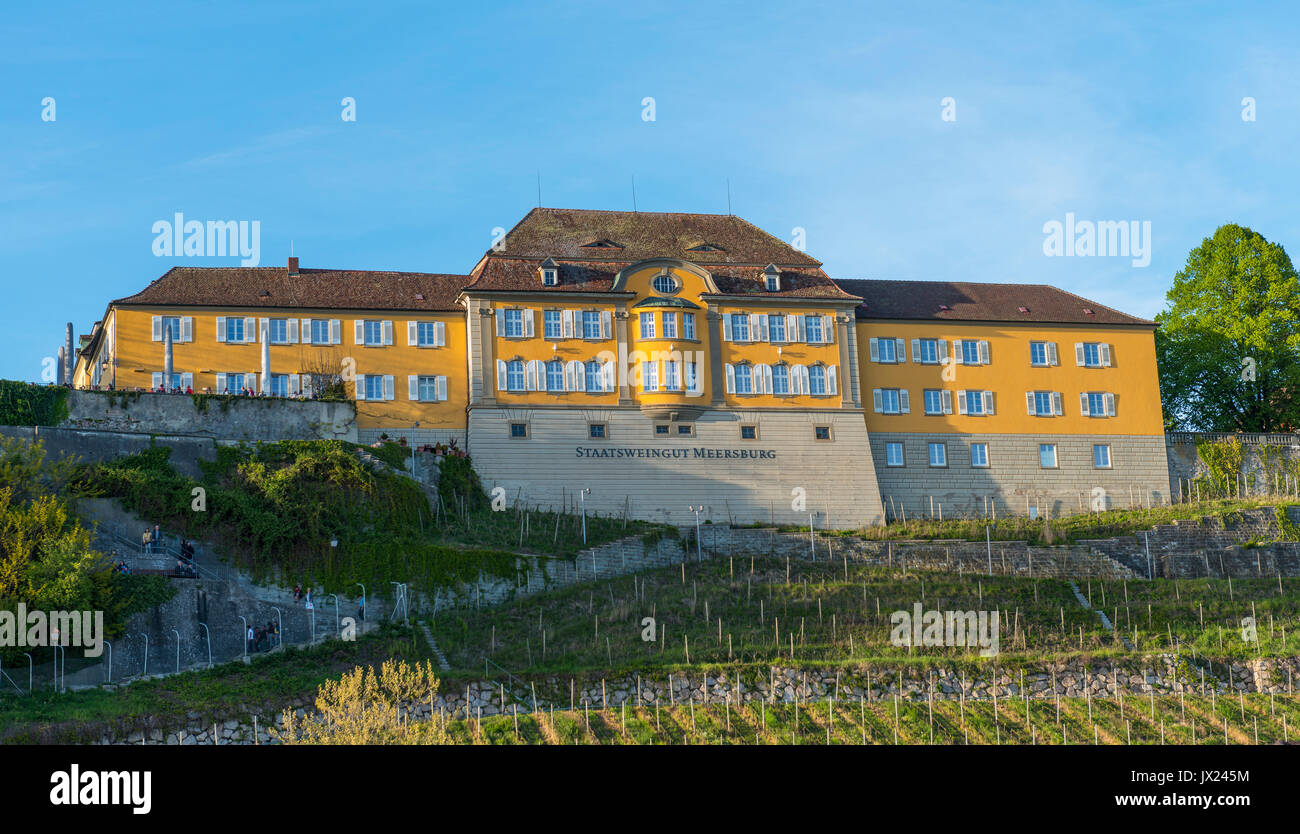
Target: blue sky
[[825, 117]]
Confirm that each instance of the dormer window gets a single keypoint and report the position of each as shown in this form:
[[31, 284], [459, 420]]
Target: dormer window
[[550, 272], [706, 247], [772, 278]]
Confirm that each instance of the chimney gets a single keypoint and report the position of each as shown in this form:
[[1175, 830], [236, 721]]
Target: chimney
[[293, 266]]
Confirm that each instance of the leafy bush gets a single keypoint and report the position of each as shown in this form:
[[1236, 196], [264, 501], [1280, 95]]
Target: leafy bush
[[25, 404]]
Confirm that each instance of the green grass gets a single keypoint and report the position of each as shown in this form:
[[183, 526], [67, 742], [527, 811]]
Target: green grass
[[839, 614], [231, 690], [1065, 529], [1193, 719]]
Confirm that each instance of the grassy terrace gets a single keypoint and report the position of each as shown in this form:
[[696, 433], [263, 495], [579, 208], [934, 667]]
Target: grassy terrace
[[769, 610], [262, 688], [1251, 719], [1065, 529]]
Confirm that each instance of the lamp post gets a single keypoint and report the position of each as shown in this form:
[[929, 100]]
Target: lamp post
[[244, 637], [337, 630], [582, 500], [697, 510], [110, 661], [416, 426], [208, 634], [145, 673], [279, 624], [178, 649]]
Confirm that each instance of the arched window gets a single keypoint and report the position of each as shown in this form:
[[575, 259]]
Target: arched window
[[555, 375], [817, 379], [780, 379], [515, 375], [744, 378]]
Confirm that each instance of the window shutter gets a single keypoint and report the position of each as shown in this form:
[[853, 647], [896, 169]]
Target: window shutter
[[767, 378], [263, 330], [187, 329], [440, 333], [1030, 403], [900, 350], [359, 332], [157, 330], [411, 337], [579, 376], [1110, 405], [221, 383], [828, 331], [916, 350], [306, 331], [984, 353], [1078, 353], [904, 401], [501, 374], [802, 322], [875, 349], [528, 322], [831, 385], [1105, 355], [306, 385], [958, 358], [530, 375], [187, 381], [755, 328], [413, 387], [291, 331], [336, 331], [1052, 358], [441, 385], [763, 334], [726, 327], [604, 324], [221, 328], [791, 328], [961, 402], [389, 392], [942, 345], [875, 399], [501, 323], [988, 403], [361, 387], [731, 378], [1083, 405], [566, 324], [157, 378], [946, 397], [569, 384], [1057, 408], [251, 379], [388, 333], [607, 377], [250, 329], [293, 385]]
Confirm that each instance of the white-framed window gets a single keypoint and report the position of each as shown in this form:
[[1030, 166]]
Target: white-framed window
[[744, 378], [672, 375], [970, 352], [277, 331], [514, 323], [893, 453], [515, 375], [887, 350], [665, 284], [979, 455], [933, 401], [890, 400], [1044, 403], [670, 325], [373, 385], [692, 376], [172, 323], [550, 277], [926, 351], [817, 380], [595, 382], [280, 385], [591, 328], [320, 331], [688, 325], [650, 376], [1097, 404], [740, 327], [772, 281], [938, 454], [429, 388], [647, 325], [781, 379], [1092, 354], [776, 328], [1042, 354], [1101, 455], [234, 384], [373, 332], [552, 328], [1047, 455], [234, 329], [814, 330], [974, 403], [555, 375]]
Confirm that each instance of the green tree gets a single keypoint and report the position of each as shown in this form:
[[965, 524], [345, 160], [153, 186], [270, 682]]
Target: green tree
[[1228, 345]]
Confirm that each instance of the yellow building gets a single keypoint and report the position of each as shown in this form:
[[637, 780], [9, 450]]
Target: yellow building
[[670, 361]]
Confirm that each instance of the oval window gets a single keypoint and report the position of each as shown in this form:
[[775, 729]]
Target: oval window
[[665, 284]]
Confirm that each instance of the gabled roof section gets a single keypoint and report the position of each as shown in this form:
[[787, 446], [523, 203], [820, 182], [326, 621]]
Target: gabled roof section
[[964, 301], [568, 234], [331, 289]]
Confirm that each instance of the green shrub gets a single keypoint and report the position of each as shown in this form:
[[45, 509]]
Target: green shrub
[[25, 404]]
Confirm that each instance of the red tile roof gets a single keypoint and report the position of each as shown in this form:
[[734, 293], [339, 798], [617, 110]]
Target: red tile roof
[[963, 301], [332, 289]]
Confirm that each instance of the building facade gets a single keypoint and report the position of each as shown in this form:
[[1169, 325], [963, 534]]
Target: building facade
[[664, 362]]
